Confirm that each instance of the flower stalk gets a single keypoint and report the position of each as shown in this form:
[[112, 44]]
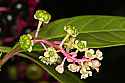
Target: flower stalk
[[66, 37], [38, 29]]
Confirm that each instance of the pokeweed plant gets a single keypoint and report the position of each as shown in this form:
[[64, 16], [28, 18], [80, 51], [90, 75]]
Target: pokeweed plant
[[63, 40]]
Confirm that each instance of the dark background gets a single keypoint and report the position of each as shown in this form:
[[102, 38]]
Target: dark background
[[112, 69]]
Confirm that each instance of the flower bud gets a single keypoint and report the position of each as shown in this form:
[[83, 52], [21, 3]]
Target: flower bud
[[60, 68]]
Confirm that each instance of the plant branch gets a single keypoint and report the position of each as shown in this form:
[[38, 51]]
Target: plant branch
[[10, 54], [66, 54]]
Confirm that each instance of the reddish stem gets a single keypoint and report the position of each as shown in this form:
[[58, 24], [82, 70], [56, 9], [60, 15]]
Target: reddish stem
[[9, 55], [66, 54]]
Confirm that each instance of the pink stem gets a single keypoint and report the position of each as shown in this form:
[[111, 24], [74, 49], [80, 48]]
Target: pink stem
[[56, 42], [67, 55]]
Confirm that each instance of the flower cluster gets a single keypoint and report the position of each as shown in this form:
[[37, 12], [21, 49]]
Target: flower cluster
[[69, 47], [90, 59], [50, 56]]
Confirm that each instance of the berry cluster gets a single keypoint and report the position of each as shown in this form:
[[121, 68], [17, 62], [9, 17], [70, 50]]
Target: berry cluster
[[69, 47]]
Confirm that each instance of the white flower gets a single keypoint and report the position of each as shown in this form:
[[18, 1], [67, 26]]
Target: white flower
[[60, 68], [86, 74], [50, 56], [73, 67], [85, 70], [53, 59], [90, 54], [96, 64], [40, 57], [99, 55], [50, 52], [88, 64]]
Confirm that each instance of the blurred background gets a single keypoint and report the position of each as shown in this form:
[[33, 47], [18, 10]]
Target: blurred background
[[16, 18]]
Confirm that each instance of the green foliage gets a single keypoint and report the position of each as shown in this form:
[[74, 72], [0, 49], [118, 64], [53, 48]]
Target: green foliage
[[66, 77], [98, 31]]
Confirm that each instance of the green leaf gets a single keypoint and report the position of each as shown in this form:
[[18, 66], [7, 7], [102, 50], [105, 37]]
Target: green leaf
[[66, 77], [98, 31]]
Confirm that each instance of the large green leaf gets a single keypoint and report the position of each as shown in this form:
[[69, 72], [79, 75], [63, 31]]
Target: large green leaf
[[98, 31], [66, 77]]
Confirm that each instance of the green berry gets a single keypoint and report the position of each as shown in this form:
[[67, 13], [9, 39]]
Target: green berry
[[42, 16], [80, 45], [26, 42]]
